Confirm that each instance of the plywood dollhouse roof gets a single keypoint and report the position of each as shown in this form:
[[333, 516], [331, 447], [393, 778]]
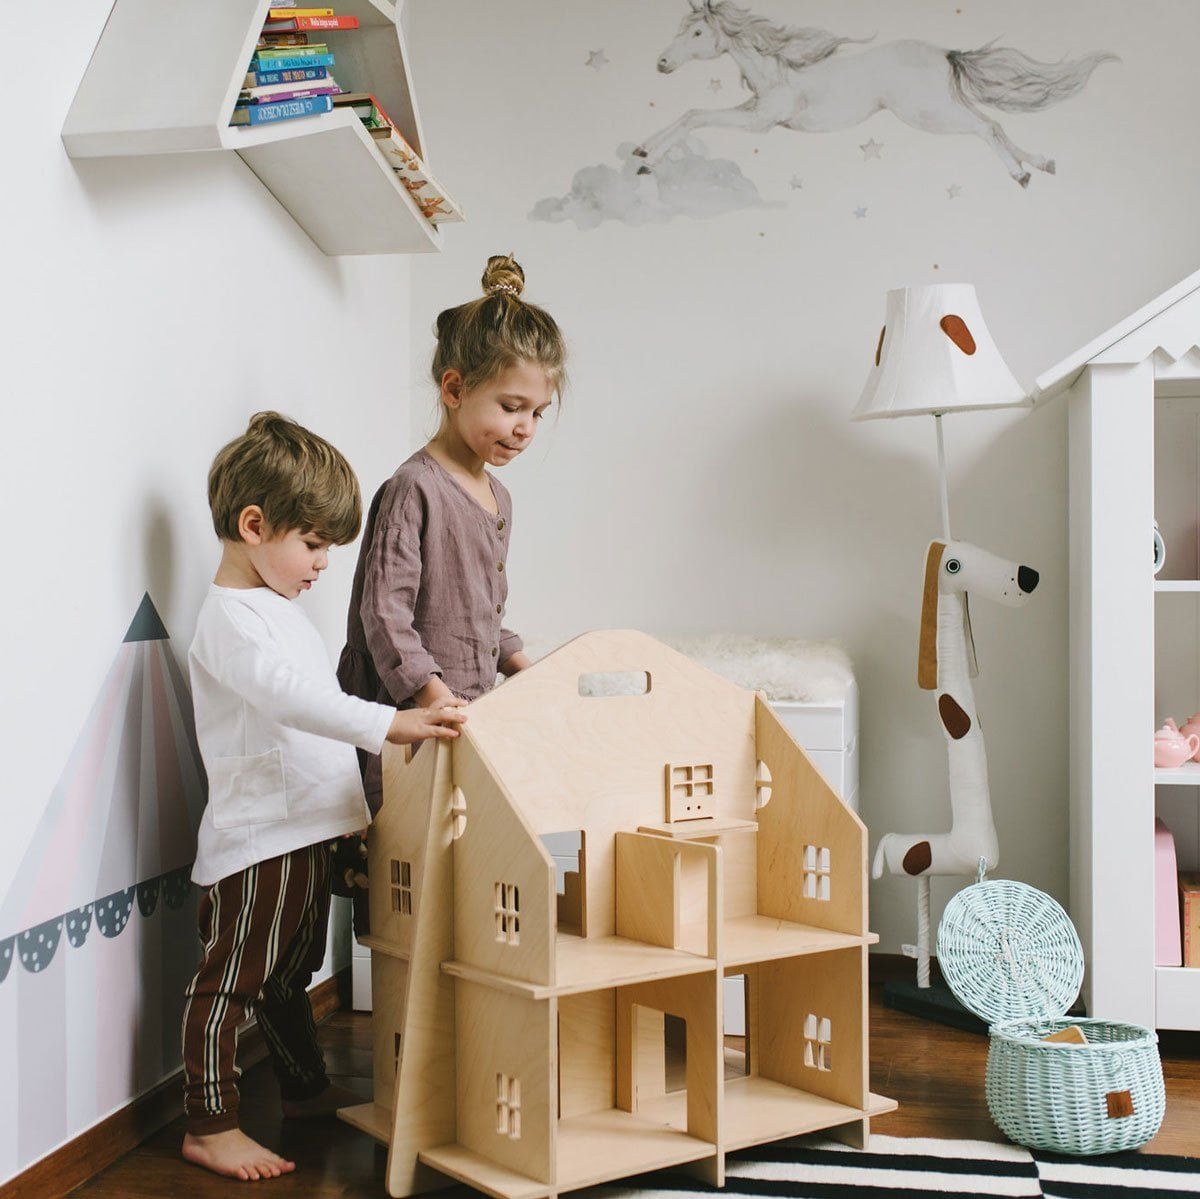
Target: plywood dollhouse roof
[[1168, 327]]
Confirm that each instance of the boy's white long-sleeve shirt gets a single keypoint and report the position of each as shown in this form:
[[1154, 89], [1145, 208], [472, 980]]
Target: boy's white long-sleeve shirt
[[276, 733]]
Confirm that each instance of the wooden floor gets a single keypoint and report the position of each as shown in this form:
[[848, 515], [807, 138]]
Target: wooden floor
[[936, 1073]]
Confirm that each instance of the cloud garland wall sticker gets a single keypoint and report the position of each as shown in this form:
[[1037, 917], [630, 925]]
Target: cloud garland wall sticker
[[812, 81], [120, 827]]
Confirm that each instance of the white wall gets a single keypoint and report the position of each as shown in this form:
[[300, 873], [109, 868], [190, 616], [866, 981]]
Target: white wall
[[149, 307], [704, 474]]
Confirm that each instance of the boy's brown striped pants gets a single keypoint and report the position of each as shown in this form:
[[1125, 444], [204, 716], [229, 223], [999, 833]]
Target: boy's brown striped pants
[[263, 931]]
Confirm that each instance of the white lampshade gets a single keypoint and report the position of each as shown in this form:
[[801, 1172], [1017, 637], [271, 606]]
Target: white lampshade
[[936, 355]]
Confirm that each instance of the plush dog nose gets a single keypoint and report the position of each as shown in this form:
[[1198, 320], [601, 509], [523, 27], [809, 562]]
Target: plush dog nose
[[1027, 578]]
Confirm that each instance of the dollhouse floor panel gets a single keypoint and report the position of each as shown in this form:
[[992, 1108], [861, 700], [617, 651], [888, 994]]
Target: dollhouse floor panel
[[602, 962], [602, 1146], [758, 1110], [484, 1175], [594, 964], [763, 938]]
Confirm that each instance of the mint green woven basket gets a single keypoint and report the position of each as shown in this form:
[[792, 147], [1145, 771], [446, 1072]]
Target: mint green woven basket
[[1011, 954]]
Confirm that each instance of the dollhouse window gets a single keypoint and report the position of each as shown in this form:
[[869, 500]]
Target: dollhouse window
[[507, 910], [816, 872], [401, 887], [688, 782], [508, 1107], [690, 791], [762, 785], [818, 1038]]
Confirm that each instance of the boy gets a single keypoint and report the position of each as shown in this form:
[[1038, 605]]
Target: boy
[[277, 736]]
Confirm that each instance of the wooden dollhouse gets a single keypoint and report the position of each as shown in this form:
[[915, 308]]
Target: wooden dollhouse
[[1133, 404], [524, 1031]]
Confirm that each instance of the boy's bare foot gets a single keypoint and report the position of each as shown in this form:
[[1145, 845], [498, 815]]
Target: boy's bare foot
[[235, 1155], [324, 1104]]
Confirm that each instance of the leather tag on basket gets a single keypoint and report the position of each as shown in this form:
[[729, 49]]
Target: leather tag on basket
[[1067, 1036], [1120, 1103]]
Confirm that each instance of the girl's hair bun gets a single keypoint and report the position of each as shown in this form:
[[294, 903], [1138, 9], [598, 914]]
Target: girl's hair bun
[[503, 275]]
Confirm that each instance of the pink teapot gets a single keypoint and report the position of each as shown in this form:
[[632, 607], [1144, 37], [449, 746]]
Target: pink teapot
[[1173, 746]]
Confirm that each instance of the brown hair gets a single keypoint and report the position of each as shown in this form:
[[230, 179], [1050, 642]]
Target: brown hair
[[297, 478], [499, 329]]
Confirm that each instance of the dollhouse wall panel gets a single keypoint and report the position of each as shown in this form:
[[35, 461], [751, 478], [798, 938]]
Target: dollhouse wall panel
[[505, 902], [812, 849], [507, 1057], [811, 1024], [587, 1052], [695, 999]]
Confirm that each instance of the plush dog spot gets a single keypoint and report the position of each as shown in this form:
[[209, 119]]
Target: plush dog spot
[[918, 859], [957, 722]]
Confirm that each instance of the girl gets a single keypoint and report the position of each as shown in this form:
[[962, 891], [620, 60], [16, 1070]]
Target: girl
[[426, 611]]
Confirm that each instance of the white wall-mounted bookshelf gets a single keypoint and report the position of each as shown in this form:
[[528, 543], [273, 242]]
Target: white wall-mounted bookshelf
[[165, 77], [1134, 445]]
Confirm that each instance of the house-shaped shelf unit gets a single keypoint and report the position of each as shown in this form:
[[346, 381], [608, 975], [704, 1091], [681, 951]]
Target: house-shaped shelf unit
[[521, 1027], [165, 77], [1133, 404]]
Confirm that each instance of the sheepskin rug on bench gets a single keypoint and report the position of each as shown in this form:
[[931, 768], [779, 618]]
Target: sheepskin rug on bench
[[785, 668]]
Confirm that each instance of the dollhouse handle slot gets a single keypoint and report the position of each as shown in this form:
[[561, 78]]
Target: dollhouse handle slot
[[604, 684]]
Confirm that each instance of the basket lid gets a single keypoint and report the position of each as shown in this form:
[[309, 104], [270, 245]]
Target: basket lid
[[1008, 951]]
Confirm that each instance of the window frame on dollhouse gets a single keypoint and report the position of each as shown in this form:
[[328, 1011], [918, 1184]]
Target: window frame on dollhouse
[[401, 886], [506, 909]]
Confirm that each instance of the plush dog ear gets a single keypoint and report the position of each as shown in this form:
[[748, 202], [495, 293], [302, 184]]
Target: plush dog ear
[[927, 660]]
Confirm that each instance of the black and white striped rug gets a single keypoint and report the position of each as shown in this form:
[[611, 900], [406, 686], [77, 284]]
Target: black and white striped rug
[[911, 1168]]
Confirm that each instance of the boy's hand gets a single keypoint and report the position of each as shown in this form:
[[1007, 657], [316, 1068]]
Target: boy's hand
[[441, 719]]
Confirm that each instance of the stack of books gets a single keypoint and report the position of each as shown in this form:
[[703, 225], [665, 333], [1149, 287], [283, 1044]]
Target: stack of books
[[289, 75]]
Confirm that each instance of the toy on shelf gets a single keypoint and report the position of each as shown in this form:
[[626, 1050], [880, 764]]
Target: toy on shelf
[[521, 1027], [1168, 948], [1172, 747]]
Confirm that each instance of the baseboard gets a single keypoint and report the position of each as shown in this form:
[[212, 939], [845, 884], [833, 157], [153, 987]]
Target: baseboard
[[96, 1148]]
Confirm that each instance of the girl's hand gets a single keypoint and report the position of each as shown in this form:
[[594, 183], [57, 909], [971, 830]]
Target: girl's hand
[[433, 691], [416, 724]]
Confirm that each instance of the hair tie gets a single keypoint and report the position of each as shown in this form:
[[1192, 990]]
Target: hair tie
[[508, 287]]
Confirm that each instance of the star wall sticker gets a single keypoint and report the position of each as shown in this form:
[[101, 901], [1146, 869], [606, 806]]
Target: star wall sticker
[[596, 59], [953, 192], [714, 85], [871, 149], [860, 214], [795, 183]]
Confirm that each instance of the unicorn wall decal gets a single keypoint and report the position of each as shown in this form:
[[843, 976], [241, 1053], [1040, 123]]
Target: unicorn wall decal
[[799, 79]]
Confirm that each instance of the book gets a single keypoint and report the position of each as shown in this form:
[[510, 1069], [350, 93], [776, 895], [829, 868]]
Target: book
[[267, 78], [416, 178], [269, 114], [286, 91], [366, 108], [269, 52], [298, 62], [1189, 907], [268, 41], [301, 23], [286, 10]]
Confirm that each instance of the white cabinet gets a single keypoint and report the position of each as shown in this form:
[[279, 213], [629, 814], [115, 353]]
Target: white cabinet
[[1133, 400]]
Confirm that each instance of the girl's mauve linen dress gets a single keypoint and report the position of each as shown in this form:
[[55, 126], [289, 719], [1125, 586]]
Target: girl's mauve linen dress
[[429, 594]]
